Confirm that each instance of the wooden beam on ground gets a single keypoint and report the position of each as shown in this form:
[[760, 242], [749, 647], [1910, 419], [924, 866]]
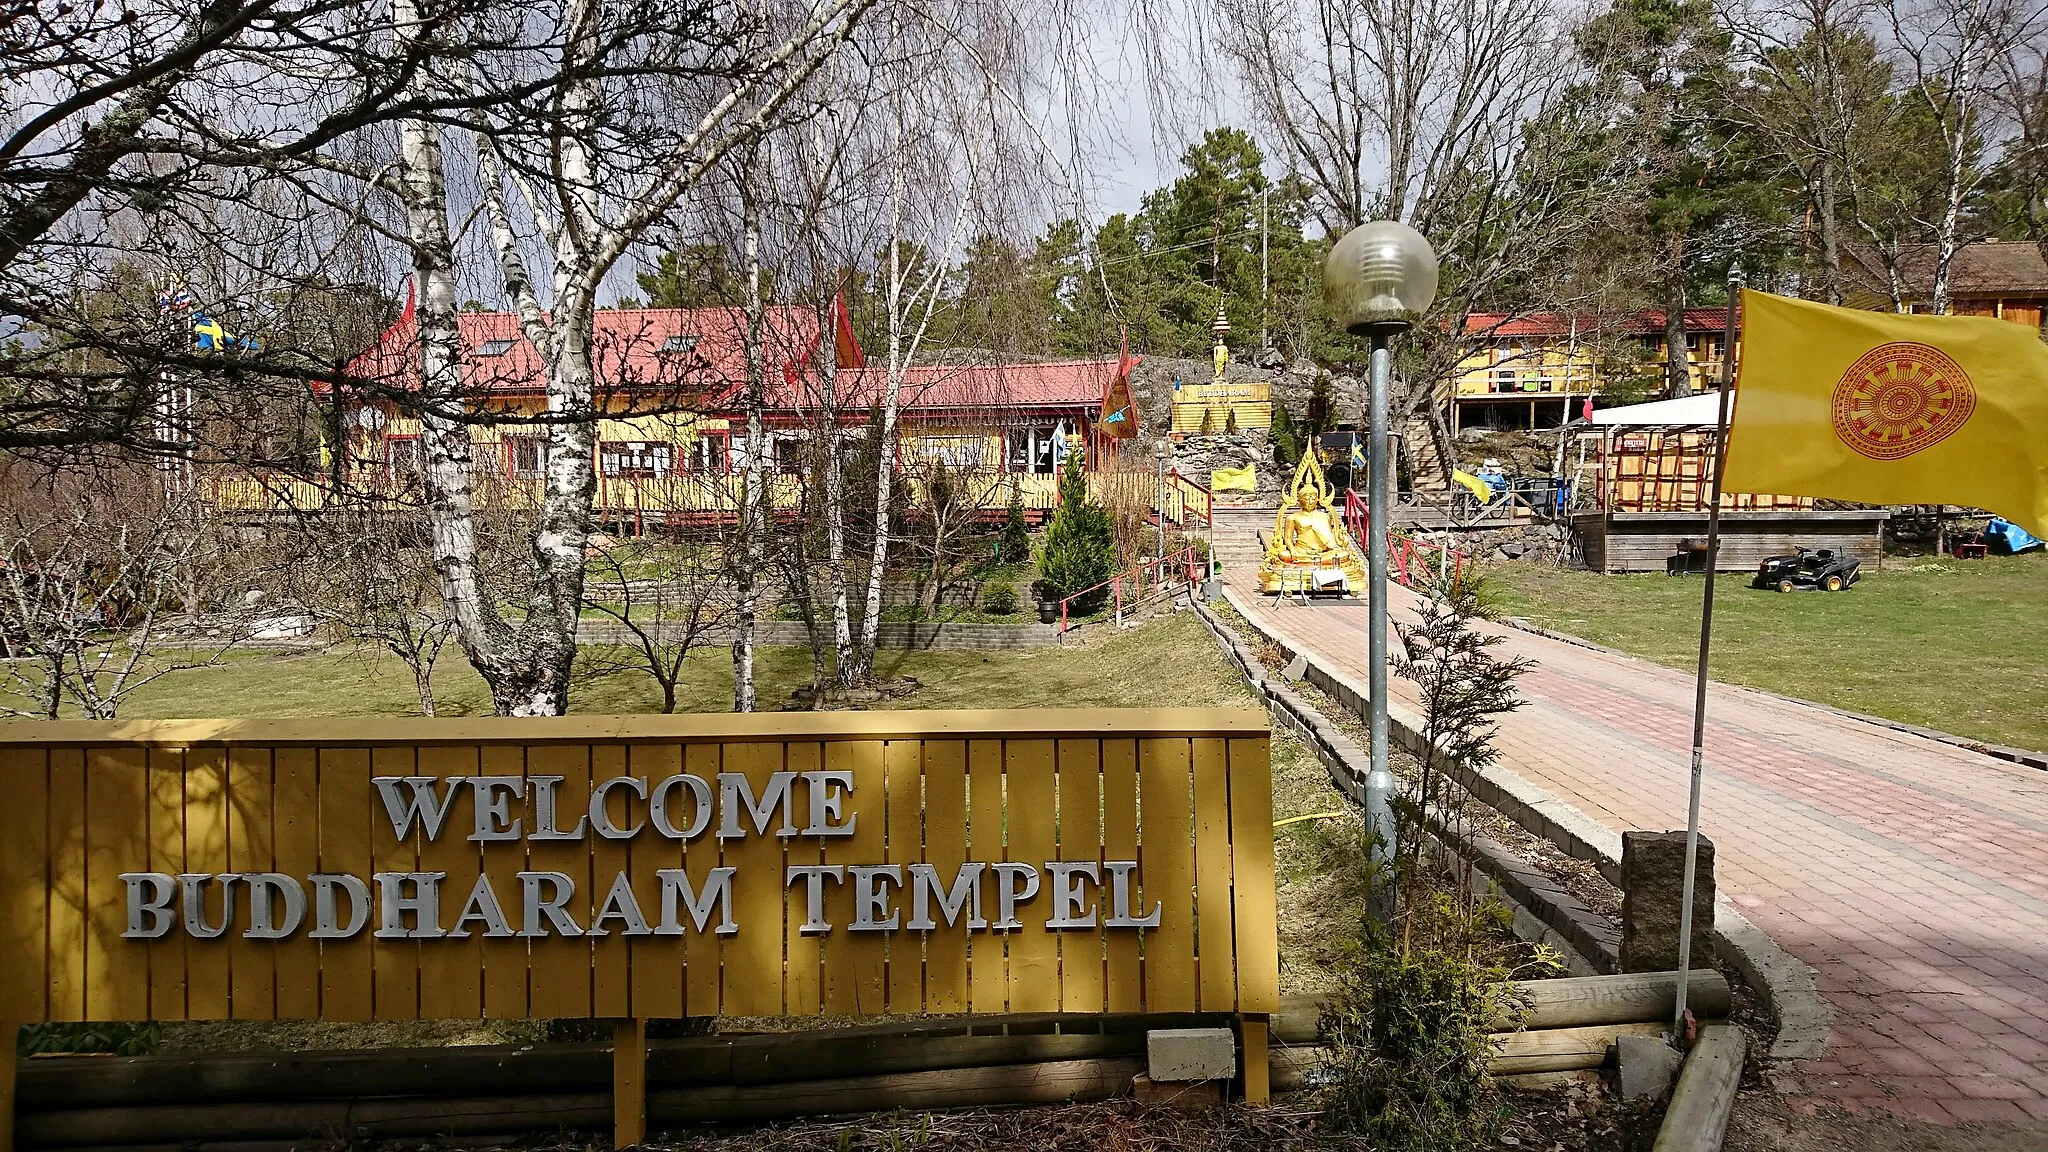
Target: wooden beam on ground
[[1079, 1081], [1698, 1116], [1517, 1055], [1560, 1049], [629, 1082], [742, 1058], [1628, 998]]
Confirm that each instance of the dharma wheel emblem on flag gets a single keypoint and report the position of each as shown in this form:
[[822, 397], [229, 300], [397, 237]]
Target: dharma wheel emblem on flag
[[1899, 398]]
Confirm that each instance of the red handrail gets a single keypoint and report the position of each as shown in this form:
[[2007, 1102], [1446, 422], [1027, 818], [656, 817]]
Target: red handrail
[[1186, 558], [1405, 552]]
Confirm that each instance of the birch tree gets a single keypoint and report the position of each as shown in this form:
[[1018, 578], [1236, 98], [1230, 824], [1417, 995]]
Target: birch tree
[[592, 168], [1458, 117], [1951, 49], [941, 133], [753, 526]]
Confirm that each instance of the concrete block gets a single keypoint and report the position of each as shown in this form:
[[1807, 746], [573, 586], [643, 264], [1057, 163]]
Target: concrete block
[[1645, 1067], [1653, 879], [1183, 1054]]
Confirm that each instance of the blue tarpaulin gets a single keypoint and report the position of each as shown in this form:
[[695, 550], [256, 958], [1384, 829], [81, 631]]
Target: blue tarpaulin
[[2008, 537]]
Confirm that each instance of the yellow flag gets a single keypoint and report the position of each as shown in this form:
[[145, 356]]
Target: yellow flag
[[1233, 479], [1887, 409]]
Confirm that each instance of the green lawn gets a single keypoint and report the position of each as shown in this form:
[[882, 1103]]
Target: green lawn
[[1170, 663], [1958, 645]]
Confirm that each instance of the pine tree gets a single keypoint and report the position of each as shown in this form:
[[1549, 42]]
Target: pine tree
[[1321, 411], [1015, 542], [1286, 445], [1080, 551]]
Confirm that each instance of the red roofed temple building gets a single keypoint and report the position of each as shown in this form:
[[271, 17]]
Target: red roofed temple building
[[672, 443]]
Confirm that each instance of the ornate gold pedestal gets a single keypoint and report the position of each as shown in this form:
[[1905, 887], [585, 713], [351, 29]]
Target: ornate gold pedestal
[[1310, 551]]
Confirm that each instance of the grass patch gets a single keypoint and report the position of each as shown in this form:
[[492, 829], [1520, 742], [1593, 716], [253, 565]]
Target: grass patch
[[1950, 644], [1169, 663]]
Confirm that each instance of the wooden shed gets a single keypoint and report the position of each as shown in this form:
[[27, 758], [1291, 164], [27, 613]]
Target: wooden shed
[[1655, 467]]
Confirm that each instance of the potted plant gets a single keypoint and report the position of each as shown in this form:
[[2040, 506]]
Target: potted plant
[[1048, 605]]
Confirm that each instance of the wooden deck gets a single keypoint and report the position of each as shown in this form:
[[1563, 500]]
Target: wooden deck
[[1650, 541]]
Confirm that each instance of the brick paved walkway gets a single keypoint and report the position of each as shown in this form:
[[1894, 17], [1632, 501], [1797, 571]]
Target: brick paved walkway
[[1913, 876]]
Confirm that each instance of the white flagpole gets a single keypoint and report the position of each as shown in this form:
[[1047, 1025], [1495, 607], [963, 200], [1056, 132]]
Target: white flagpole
[[1699, 699]]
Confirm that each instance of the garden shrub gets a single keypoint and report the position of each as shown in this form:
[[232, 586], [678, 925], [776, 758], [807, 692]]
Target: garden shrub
[[999, 598], [107, 1039], [1013, 546], [1408, 1030], [1285, 443], [1080, 548]]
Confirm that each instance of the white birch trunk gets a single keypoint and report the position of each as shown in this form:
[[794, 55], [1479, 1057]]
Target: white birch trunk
[[885, 468], [528, 667], [905, 302], [1946, 241], [835, 496], [444, 434], [750, 526]]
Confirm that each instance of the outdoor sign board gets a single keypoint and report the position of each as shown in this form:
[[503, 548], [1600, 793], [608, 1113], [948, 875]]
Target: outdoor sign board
[[638, 867], [1196, 404]]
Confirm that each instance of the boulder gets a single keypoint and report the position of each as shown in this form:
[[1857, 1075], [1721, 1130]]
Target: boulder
[[1645, 1067]]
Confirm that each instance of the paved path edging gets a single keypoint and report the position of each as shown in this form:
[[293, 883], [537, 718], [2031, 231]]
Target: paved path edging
[[1543, 912], [1786, 984]]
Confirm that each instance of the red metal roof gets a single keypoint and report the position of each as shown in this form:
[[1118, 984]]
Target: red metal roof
[[963, 388], [654, 349], [1646, 323], [640, 350]]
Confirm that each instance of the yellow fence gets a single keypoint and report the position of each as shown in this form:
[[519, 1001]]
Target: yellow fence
[[789, 865], [689, 495]]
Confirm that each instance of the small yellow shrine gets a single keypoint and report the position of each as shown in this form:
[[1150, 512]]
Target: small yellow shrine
[[1310, 551], [1222, 405]]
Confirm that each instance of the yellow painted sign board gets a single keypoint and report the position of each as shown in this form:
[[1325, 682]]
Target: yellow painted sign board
[[635, 867], [1208, 407]]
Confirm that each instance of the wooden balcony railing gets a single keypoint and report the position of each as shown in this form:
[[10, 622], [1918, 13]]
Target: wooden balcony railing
[[1181, 501]]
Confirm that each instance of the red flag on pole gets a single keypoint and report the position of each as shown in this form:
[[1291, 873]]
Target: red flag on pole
[[1119, 417], [843, 344], [1587, 412], [845, 349]]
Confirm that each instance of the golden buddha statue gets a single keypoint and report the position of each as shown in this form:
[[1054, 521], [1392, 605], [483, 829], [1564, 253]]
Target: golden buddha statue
[[1309, 550]]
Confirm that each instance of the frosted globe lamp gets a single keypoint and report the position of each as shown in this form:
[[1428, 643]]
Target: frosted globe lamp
[[1379, 279]]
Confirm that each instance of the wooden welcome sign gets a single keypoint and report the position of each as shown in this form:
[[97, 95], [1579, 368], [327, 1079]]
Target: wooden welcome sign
[[793, 864]]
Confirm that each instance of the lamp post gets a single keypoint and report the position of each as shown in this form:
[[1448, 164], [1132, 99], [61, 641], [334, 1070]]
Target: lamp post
[[1160, 452], [1377, 281]]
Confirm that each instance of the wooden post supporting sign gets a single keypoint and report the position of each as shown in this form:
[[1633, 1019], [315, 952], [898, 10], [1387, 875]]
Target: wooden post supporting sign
[[629, 1082], [10, 1036], [1257, 1074]]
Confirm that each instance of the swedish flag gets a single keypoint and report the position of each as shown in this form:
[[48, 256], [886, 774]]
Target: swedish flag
[[208, 334]]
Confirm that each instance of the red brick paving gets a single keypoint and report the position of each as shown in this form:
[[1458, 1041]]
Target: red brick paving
[[1912, 875]]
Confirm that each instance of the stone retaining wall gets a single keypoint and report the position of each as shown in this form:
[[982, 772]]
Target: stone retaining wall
[[943, 637]]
